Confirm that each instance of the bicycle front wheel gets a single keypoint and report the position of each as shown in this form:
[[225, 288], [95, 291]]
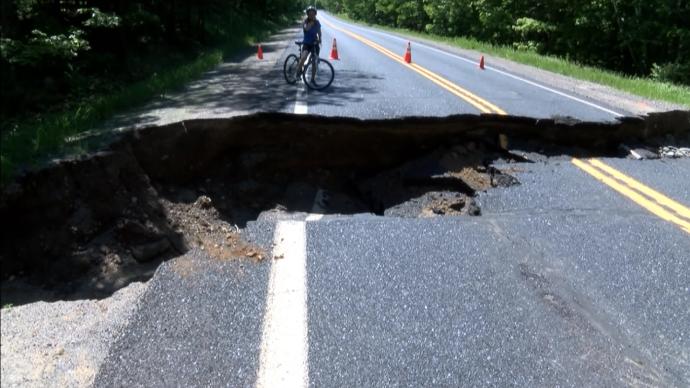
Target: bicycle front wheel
[[319, 78], [290, 68]]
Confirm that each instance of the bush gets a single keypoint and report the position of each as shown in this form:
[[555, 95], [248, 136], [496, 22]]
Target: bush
[[678, 73]]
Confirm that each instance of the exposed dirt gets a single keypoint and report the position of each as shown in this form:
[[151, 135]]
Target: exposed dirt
[[87, 227], [203, 227]]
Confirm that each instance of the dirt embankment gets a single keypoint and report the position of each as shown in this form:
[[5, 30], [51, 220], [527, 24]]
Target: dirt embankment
[[91, 225]]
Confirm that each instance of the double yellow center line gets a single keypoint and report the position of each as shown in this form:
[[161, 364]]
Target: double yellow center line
[[481, 104], [650, 199], [655, 202]]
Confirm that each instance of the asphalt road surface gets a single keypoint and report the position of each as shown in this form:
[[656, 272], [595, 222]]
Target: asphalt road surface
[[563, 281], [576, 277], [373, 82]]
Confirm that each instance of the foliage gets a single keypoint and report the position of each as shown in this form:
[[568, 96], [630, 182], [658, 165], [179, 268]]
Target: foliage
[[40, 47], [66, 65], [642, 86], [635, 37], [52, 51]]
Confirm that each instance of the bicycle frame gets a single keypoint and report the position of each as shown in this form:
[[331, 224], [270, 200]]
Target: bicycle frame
[[312, 68], [312, 56]]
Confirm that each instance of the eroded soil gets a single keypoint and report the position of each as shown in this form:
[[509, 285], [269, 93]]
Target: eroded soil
[[86, 227]]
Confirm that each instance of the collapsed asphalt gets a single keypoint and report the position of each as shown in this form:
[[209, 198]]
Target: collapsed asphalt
[[589, 295], [159, 191], [558, 271]]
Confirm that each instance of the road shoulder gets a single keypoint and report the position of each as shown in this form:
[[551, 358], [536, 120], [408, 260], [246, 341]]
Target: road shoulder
[[63, 343], [636, 105]]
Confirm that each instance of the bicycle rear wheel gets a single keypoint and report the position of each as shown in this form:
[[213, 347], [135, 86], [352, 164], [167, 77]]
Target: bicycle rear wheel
[[290, 68], [321, 78]]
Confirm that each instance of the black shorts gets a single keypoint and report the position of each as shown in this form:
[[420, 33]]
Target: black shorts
[[312, 47]]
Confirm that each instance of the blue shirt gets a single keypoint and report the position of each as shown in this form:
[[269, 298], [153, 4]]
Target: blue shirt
[[310, 35]]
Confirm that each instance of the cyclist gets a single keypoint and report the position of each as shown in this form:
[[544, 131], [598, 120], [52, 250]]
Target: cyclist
[[312, 36]]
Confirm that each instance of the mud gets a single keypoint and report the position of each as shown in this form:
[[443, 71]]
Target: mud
[[89, 226]]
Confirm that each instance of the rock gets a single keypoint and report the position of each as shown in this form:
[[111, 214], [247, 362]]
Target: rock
[[203, 202], [473, 209], [148, 252], [674, 152], [645, 153], [638, 153], [499, 179]]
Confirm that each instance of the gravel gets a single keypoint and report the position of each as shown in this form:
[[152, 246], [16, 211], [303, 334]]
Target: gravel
[[674, 152], [62, 344]]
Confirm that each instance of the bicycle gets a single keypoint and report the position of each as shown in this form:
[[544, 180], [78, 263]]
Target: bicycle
[[320, 71]]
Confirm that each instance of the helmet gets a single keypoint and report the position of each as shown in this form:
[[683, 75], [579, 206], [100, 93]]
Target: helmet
[[310, 8]]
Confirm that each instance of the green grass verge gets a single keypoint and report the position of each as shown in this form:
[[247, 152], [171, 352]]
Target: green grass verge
[[27, 143], [30, 143], [643, 87]]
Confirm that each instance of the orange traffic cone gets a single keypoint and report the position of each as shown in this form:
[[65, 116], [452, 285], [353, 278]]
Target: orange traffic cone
[[334, 51], [481, 63], [408, 54], [260, 52]]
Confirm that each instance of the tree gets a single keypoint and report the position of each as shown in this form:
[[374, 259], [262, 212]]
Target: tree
[[637, 37]]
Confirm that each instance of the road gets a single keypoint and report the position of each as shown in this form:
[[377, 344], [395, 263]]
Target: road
[[576, 277], [561, 281], [373, 82]]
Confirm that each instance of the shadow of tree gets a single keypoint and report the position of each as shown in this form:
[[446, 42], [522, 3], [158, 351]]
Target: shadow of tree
[[243, 85]]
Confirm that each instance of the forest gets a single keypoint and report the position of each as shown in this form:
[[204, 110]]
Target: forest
[[54, 52], [68, 65], [647, 38]]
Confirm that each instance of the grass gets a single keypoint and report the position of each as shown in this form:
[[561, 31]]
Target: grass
[[31, 142], [644, 87]]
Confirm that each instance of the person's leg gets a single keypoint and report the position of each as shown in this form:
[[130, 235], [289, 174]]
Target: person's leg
[[302, 59], [315, 51], [306, 49]]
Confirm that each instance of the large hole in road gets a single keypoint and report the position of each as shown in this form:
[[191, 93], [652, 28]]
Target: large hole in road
[[83, 228]]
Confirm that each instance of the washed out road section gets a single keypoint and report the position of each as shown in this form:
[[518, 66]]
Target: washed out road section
[[405, 298]]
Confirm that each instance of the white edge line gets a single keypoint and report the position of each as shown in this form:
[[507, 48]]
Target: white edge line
[[284, 339], [593, 105], [301, 107]]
